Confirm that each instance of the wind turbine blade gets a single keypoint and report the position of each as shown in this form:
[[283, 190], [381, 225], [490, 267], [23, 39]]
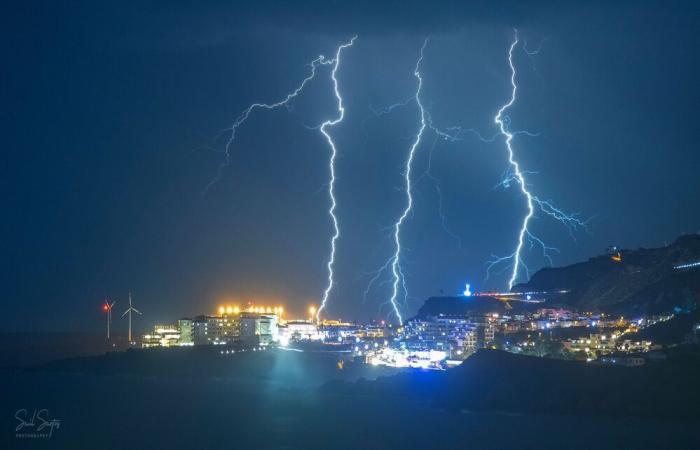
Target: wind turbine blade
[[125, 313], [136, 310]]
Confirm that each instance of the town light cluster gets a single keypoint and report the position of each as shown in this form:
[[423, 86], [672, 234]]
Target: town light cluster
[[227, 310]]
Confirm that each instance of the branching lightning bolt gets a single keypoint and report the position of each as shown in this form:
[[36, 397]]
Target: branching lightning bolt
[[438, 189], [396, 258], [331, 184], [378, 112], [321, 60], [451, 134], [517, 175]]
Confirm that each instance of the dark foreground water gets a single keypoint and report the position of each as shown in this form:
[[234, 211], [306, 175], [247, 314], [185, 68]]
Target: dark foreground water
[[130, 412]]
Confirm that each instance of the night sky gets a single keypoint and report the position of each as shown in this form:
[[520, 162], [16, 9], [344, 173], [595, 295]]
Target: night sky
[[114, 118]]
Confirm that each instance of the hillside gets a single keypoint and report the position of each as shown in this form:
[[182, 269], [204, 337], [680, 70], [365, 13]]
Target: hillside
[[464, 306], [644, 281], [670, 332]]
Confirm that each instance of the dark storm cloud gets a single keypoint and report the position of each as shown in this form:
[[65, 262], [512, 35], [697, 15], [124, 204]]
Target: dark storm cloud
[[187, 24]]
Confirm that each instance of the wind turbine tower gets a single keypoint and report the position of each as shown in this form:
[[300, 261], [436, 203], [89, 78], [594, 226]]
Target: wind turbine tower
[[129, 311], [107, 308]]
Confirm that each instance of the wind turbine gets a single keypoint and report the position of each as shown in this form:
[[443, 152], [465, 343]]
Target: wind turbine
[[107, 308], [129, 311]]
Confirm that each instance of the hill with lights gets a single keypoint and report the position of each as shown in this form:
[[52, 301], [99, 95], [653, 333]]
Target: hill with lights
[[478, 304], [642, 281]]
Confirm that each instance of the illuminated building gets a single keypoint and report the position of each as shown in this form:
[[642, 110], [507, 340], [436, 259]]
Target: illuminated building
[[297, 330], [162, 336], [201, 329], [337, 331], [184, 326], [604, 344], [485, 330], [554, 314], [513, 326], [215, 329], [458, 336], [630, 346], [233, 323], [419, 359], [375, 332], [258, 328], [593, 345]]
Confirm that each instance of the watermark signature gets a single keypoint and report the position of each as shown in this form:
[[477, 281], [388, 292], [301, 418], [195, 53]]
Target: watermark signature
[[35, 425]]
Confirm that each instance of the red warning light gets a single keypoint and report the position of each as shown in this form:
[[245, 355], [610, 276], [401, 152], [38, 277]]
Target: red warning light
[[105, 307]]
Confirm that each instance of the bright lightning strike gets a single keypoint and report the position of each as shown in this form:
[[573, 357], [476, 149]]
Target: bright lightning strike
[[331, 184], [321, 60], [571, 221], [452, 134], [395, 261], [518, 175]]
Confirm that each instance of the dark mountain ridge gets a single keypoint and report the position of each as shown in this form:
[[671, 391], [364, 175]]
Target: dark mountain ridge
[[642, 281]]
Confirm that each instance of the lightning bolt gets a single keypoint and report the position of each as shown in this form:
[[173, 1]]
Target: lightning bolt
[[321, 60], [517, 175], [438, 189], [396, 258], [378, 112], [331, 184], [451, 134]]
